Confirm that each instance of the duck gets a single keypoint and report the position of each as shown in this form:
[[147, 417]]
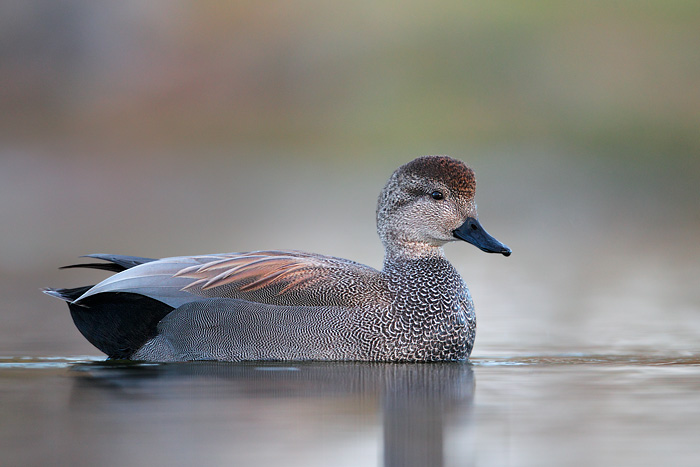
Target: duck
[[279, 305]]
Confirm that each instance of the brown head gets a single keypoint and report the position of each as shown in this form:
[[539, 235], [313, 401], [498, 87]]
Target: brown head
[[427, 203]]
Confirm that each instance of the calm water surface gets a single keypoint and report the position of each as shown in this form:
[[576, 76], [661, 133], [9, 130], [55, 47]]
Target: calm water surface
[[526, 410]]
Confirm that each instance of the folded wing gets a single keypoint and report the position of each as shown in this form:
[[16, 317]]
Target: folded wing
[[273, 277]]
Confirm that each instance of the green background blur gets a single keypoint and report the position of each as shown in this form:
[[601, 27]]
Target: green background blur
[[163, 128]]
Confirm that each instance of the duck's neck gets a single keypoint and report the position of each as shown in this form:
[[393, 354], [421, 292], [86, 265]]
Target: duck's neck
[[409, 251], [423, 272]]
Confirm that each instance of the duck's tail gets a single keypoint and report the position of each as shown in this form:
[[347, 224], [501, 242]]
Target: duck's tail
[[116, 323], [115, 263], [69, 295]]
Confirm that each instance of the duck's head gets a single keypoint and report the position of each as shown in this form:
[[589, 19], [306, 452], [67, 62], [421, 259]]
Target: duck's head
[[427, 203]]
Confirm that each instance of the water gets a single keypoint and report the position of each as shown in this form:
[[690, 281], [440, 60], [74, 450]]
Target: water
[[520, 411]]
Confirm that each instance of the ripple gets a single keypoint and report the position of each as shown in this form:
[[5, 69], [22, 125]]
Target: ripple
[[40, 363], [589, 359]]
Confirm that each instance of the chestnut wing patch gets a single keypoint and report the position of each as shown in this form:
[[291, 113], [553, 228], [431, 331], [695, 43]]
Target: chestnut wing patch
[[259, 271]]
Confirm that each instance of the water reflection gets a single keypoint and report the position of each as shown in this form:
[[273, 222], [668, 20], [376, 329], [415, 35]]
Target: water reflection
[[544, 410], [347, 406]]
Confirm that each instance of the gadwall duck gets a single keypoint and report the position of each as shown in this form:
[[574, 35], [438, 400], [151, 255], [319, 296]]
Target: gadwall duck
[[290, 305]]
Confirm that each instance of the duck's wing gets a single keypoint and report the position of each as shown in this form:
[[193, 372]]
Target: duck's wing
[[273, 277], [283, 278]]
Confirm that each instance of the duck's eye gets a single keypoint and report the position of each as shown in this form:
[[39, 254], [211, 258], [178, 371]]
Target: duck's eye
[[437, 195]]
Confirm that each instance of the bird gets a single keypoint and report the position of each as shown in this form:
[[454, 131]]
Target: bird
[[294, 306]]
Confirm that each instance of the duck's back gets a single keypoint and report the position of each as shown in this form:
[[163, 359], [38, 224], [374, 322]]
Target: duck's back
[[265, 305]]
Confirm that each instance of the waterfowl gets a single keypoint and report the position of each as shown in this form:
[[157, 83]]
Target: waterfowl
[[291, 305]]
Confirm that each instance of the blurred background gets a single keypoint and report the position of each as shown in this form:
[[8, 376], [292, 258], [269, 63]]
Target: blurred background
[[166, 128]]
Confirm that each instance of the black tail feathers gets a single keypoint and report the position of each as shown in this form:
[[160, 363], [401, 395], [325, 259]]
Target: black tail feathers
[[115, 263], [68, 295], [117, 323]]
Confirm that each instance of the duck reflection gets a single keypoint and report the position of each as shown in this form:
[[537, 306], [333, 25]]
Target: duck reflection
[[415, 403]]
